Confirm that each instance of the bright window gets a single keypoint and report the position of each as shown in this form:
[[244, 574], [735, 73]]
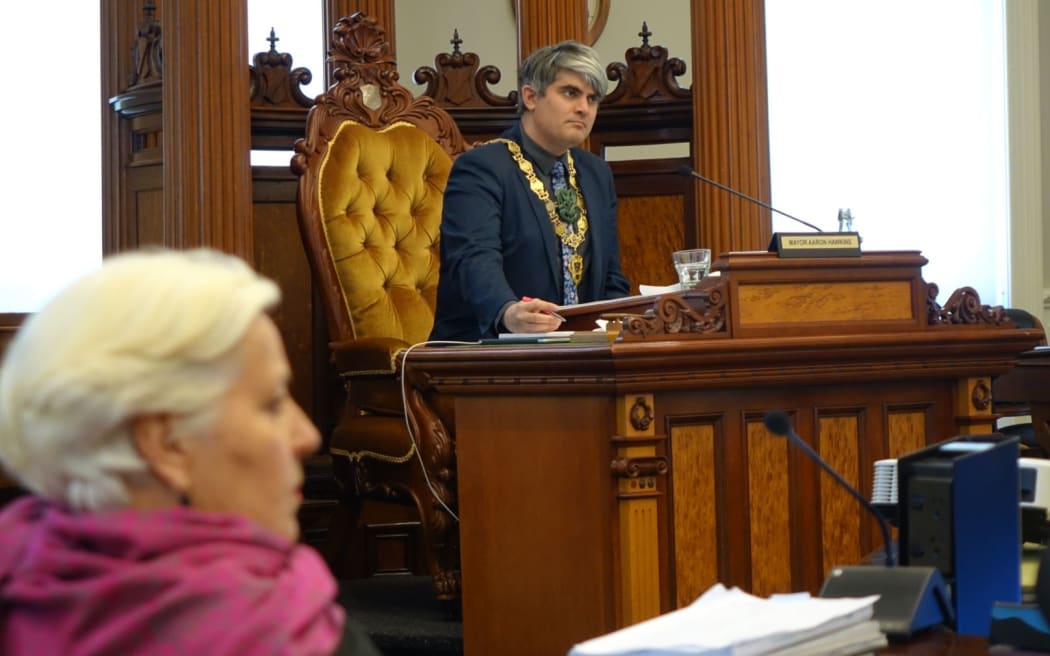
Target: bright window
[[51, 221], [297, 25], [897, 111]]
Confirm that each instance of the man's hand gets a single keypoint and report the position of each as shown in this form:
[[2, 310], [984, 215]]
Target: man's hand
[[531, 315]]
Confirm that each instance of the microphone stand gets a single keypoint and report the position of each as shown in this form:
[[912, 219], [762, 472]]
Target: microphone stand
[[686, 171], [910, 598]]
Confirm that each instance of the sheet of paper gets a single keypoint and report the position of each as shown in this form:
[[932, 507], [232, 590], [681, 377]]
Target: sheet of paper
[[732, 622]]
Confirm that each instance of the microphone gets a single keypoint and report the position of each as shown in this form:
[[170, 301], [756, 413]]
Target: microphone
[[778, 423], [688, 172], [911, 599]]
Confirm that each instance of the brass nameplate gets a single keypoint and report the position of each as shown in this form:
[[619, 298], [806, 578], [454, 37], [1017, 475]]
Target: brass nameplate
[[816, 244]]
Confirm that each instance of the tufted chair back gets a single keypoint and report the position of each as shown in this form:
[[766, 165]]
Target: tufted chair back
[[372, 170], [379, 197]]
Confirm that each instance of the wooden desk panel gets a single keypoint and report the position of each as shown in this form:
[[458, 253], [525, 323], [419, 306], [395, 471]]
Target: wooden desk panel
[[828, 302]]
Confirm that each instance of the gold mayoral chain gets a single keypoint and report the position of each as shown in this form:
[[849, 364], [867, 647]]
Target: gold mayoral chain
[[572, 239]]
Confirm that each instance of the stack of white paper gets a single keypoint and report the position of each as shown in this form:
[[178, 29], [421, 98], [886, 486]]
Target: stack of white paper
[[734, 623]]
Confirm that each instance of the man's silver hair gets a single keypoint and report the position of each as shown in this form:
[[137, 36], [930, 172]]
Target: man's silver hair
[[149, 332], [541, 67]]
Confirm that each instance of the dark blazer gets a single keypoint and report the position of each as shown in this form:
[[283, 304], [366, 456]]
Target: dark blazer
[[498, 245]]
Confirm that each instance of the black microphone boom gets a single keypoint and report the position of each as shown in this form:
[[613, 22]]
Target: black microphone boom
[[778, 423], [688, 172]]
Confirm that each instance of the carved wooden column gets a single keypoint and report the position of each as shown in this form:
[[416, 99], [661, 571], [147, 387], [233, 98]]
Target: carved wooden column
[[731, 124], [206, 134], [118, 22], [545, 22], [381, 10]]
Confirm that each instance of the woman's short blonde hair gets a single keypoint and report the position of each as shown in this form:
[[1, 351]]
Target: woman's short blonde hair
[[148, 332]]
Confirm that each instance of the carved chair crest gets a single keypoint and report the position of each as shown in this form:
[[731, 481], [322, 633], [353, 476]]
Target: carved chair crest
[[366, 90]]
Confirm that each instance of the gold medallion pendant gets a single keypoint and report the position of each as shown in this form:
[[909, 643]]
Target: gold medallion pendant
[[571, 238]]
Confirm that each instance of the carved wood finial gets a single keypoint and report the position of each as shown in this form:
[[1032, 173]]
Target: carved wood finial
[[146, 53], [648, 75], [457, 81], [645, 34], [273, 82]]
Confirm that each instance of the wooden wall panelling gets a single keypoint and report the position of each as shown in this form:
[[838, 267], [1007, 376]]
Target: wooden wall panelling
[[120, 21], [144, 203], [651, 228], [648, 107], [731, 130], [207, 176], [546, 22]]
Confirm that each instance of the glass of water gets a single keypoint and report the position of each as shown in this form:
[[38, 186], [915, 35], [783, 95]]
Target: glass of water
[[692, 266]]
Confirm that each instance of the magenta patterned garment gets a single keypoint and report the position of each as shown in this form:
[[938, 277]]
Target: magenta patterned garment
[[176, 581]]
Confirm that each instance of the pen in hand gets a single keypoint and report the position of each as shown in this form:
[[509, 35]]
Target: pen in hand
[[552, 313]]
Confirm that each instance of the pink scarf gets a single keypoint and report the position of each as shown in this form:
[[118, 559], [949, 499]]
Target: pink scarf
[[170, 582]]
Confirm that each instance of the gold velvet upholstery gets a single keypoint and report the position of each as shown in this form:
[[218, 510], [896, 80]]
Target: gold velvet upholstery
[[380, 197], [372, 170]]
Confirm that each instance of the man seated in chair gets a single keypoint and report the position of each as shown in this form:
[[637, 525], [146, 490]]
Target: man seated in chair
[[529, 220]]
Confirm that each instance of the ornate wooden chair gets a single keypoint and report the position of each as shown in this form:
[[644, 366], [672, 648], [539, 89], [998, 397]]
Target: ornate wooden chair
[[372, 170]]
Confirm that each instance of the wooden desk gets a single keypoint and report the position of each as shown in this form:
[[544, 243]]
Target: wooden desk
[[600, 485], [946, 643], [1027, 386]]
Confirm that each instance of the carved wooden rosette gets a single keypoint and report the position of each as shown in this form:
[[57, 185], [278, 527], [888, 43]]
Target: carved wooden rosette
[[962, 307], [648, 76], [981, 396], [274, 83], [689, 314], [457, 81]]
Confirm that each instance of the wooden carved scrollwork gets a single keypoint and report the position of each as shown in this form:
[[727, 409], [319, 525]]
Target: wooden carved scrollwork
[[678, 314], [981, 396], [962, 307], [648, 76], [274, 83], [458, 82], [436, 450], [640, 466]]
